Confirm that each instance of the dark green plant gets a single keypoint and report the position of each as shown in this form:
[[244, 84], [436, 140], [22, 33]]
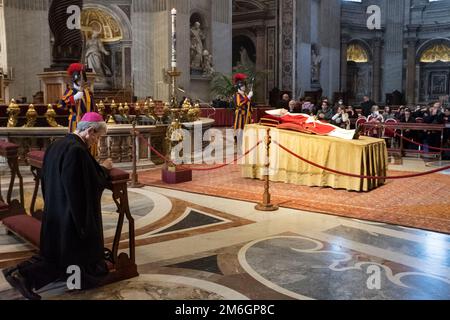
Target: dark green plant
[[222, 85]]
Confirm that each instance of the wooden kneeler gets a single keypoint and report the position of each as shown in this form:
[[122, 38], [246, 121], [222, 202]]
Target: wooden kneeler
[[122, 266], [12, 206]]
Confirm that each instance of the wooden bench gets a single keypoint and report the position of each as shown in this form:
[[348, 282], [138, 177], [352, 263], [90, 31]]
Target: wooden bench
[[28, 227]]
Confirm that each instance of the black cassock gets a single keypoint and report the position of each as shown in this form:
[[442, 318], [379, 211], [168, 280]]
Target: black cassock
[[72, 232]]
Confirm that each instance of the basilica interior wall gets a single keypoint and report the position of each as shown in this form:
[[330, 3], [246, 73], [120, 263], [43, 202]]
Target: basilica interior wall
[[151, 26], [150, 52], [28, 44], [405, 25], [317, 28], [222, 35]]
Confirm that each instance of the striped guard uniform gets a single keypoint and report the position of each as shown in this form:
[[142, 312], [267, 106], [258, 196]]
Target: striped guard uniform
[[244, 111], [77, 108]]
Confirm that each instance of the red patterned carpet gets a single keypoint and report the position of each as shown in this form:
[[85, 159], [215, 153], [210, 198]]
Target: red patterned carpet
[[422, 202]]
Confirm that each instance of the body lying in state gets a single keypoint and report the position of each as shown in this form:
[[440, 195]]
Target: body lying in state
[[283, 119]]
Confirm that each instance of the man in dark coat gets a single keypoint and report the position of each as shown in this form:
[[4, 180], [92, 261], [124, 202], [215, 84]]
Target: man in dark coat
[[366, 106], [72, 232]]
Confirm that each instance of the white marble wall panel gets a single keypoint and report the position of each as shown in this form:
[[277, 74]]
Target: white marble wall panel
[[28, 44]]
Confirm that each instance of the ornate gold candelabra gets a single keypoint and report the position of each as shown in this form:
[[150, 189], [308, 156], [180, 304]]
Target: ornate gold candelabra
[[173, 136], [173, 74]]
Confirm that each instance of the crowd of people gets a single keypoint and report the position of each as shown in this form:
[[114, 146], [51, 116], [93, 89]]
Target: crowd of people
[[341, 115], [346, 116]]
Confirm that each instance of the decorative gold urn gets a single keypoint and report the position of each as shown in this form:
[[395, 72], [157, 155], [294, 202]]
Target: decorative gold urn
[[137, 109], [194, 113], [121, 110], [126, 110], [111, 119], [101, 109], [146, 109], [151, 106], [167, 110], [31, 117], [13, 113], [50, 116]]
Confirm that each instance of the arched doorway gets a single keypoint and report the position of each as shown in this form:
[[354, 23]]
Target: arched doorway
[[359, 72], [434, 68]]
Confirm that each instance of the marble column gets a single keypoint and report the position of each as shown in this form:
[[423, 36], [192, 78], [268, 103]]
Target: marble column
[[344, 47], [376, 43], [287, 45], [261, 62], [411, 70]]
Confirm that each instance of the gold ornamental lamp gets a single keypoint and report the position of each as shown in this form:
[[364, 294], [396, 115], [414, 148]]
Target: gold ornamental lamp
[[111, 119], [31, 117], [101, 108], [50, 116], [126, 110], [13, 113]]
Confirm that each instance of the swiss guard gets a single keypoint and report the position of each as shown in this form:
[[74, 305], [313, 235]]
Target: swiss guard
[[78, 99], [243, 105]]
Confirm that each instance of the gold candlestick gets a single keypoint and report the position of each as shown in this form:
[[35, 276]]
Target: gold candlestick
[[173, 74]]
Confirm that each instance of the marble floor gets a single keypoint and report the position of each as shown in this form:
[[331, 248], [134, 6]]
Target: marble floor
[[192, 246]]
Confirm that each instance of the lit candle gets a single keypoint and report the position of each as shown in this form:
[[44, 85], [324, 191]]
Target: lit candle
[[174, 38]]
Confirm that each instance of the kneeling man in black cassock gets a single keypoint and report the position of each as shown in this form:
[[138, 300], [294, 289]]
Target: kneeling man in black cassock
[[72, 232]]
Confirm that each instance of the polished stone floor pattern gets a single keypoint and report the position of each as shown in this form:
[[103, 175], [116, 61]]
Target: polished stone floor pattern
[[192, 246]]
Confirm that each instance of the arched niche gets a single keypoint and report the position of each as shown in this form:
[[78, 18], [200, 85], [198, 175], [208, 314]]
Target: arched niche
[[433, 60], [246, 6], [199, 40], [359, 71], [244, 48], [115, 32]]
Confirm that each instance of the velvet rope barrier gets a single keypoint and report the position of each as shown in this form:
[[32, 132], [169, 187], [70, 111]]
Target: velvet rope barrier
[[360, 176], [416, 143], [194, 168], [225, 164]]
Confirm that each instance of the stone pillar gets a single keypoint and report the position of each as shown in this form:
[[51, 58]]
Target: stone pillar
[[287, 37], [377, 43], [261, 63], [411, 70], [344, 47]]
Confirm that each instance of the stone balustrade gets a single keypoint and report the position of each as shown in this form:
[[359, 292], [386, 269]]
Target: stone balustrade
[[115, 145]]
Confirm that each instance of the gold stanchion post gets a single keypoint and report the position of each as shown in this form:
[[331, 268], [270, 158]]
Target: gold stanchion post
[[266, 205], [134, 176]]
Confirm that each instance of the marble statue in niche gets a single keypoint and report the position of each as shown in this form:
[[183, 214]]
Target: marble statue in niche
[[197, 46], [316, 61], [94, 58], [245, 60], [207, 63]]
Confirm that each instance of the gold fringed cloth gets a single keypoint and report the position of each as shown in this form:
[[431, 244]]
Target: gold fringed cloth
[[366, 156]]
